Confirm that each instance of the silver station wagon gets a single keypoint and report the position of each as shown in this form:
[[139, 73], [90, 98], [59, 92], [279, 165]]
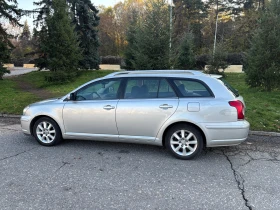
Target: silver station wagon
[[183, 110]]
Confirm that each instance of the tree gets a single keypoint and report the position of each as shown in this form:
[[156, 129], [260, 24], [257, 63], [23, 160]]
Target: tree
[[4, 57], [131, 42], [84, 16], [150, 46], [86, 21], [107, 36], [60, 46], [262, 59], [185, 58], [25, 35], [218, 61], [9, 12]]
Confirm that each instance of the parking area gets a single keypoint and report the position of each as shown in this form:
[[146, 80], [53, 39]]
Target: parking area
[[100, 175]]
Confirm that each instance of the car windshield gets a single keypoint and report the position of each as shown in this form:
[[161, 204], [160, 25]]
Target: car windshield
[[232, 89]]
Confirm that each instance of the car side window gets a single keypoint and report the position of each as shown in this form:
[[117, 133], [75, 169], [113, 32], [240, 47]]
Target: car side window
[[100, 90], [141, 88], [192, 88], [165, 90], [148, 88]]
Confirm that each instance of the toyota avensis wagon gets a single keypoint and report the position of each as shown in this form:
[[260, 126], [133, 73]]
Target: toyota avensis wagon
[[182, 110]]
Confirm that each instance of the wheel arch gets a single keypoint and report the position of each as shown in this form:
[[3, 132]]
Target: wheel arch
[[37, 118], [185, 123]]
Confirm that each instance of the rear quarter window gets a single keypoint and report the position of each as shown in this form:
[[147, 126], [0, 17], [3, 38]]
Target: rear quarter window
[[229, 87], [192, 88]]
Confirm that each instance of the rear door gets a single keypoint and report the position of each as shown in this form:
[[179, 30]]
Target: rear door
[[147, 103]]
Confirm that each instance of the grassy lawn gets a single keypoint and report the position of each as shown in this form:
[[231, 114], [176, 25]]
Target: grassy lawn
[[263, 108], [38, 80], [12, 100]]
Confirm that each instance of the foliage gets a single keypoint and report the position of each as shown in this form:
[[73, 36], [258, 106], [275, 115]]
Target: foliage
[[4, 57], [111, 60], [188, 16], [235, 58], [131, 42], [150, 46], [86, 22], [185, 58], [262, 59], [25, 35], [8, 12], [60, 46], [219, 61], [22, 47]]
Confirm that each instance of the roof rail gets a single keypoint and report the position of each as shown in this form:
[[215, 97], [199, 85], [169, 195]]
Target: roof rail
[[191, 72]]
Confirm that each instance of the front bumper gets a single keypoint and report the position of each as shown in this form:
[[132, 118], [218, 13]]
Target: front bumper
[[25, 124], [226, 134]]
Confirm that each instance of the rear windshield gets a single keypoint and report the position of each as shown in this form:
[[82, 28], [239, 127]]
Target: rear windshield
[[232, 89]]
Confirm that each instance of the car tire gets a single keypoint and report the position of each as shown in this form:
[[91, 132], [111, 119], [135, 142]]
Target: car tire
[[184, 141], [47, 132]]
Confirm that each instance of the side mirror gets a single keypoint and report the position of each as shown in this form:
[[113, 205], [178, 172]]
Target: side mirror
[[72, 97]]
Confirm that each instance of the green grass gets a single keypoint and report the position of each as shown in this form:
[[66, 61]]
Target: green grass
[[38, 80], [263, 108], [12, 100]]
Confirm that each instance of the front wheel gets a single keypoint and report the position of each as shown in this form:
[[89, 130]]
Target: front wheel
[[47, 132], [184, 141]]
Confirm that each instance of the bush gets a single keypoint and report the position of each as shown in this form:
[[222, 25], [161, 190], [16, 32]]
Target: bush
[[262, 59], [113, 60], [235, 58], [61, 77], [202, 61]]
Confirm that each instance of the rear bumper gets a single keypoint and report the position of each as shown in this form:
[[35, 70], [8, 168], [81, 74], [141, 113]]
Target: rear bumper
[[25, 124], [226, 134]]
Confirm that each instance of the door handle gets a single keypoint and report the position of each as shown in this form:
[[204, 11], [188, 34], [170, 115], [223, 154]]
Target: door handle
[[165, 106], [108, 107]]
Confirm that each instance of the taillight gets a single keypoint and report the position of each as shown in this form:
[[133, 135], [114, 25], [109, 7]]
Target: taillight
[[239, 107]]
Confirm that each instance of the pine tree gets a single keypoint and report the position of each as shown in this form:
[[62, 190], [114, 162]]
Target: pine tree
[[130, 37], [43, 10], [86, 21], [218, 61], [10, 12], [60, 47], [150, 49], [262, 63], [85, 18], [4, 57], [25, 35], [185, 58]]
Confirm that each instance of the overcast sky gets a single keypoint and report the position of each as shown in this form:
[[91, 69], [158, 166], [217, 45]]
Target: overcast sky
[[28, 5]]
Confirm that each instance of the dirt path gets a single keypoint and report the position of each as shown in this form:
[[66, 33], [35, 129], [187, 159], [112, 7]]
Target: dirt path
[[27, 87]]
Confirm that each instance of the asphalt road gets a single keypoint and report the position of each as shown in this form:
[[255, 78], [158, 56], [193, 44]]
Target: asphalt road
[[98, 175], [19, 70]]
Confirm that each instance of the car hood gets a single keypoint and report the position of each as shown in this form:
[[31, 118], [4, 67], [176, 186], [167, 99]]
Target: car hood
[[51, 100]]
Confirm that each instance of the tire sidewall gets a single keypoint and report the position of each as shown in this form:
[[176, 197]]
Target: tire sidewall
[[56, 127], [193, 130]]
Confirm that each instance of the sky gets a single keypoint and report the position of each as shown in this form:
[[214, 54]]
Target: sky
[[28, 5]]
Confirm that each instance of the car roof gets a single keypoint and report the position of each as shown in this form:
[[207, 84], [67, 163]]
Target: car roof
[[161, 73]]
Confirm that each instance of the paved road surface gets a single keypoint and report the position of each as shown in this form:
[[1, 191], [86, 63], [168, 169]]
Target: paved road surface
[[98, 175], [19, 70]]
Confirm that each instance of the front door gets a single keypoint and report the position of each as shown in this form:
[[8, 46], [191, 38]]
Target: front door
[[92, 113]]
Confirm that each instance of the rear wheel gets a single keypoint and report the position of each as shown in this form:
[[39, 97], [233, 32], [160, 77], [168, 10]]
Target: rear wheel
[[184, 141], [47, 132]]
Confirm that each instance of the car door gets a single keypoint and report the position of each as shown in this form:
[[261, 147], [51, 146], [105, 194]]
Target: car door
[[92, 113], [147, 103]]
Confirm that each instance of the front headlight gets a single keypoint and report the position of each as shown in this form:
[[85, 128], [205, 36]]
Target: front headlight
[[25, 110]]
